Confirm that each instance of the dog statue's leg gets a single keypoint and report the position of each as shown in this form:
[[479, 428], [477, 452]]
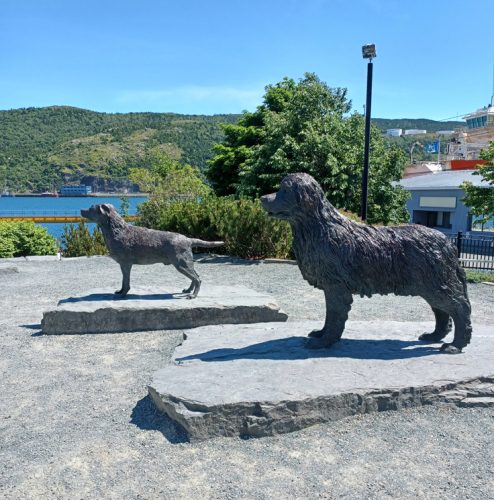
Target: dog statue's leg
[[463, 327], [443, 326], [126, 268], [186, 269], [338, 304]]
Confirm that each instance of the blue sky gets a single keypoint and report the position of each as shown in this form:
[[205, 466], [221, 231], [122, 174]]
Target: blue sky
[[435, 58]]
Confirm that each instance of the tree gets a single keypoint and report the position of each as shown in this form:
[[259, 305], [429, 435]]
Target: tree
[[481, 199], [304, 127], [166, 181]]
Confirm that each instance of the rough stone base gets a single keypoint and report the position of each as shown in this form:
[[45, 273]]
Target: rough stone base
[[100, 311], [260, 380]]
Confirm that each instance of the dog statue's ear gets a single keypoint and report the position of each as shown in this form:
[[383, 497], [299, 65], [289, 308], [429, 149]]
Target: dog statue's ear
[[104, 209]]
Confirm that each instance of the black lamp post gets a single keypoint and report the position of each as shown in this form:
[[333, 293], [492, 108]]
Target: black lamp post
[[368, 52]]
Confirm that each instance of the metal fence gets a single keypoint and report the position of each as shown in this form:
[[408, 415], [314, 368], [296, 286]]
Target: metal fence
[[475, 252]]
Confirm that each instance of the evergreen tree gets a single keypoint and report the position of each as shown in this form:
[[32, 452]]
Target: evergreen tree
[[304, 127]]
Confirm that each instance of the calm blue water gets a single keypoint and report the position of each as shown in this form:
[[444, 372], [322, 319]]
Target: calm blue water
[[59, 206]]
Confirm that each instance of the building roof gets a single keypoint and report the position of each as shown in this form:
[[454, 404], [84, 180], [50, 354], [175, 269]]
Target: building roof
[[480, 112], [446, 179]]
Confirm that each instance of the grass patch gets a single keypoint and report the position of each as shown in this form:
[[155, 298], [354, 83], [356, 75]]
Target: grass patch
[[479, 276]]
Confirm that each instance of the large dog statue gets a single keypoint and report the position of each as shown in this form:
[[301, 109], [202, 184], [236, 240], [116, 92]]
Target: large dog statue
[[343, 258], [129, 245]]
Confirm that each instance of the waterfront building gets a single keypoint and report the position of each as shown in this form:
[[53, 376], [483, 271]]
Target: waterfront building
[[78, 190]]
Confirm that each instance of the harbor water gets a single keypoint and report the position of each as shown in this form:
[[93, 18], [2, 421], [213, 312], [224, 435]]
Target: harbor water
[[41, 206]]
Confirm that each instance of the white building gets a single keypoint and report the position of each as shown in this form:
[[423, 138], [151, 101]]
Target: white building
[[415, 131], [394, 132]]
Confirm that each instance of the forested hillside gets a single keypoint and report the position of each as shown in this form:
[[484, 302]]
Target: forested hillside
[[417, 123], [41, 148]]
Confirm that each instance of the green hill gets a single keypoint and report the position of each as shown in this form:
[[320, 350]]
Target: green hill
[[416, 123], [43, 148]]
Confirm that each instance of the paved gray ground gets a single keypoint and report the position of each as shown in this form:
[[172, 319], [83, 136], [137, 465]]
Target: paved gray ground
[[75, 420]]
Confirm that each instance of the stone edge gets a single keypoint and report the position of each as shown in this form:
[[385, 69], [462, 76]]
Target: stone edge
[[108, 320], [262, 419]]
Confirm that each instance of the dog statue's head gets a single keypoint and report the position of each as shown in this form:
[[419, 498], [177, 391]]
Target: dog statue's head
[[299, 195], [99, 213]]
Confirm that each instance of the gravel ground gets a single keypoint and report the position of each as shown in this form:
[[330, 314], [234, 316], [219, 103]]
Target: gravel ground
[[76, 422]]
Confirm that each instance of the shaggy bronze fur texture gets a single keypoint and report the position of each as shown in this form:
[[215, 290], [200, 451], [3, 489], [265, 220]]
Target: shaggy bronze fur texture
[[343, 258]]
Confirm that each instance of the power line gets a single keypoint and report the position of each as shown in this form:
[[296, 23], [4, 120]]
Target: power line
[[451, 117]]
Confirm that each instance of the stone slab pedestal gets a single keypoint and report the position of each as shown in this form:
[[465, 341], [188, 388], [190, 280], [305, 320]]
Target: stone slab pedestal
[[144, 309], [261, 380]]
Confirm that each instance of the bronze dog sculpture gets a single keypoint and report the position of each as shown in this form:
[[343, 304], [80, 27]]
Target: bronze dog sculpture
[[129, 245], [343, 258]]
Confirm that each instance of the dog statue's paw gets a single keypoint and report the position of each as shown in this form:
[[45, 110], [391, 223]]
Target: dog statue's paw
[[316, 334], [432, 337], [450, 349], [321, 342]]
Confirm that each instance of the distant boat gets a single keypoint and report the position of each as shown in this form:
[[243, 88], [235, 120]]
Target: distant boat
[[7, 194], [49, 194]]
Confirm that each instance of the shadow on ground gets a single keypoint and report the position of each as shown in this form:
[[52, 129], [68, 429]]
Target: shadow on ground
[[224, 260], [294, 348], [34, 326], [148, 418], [97, 297]]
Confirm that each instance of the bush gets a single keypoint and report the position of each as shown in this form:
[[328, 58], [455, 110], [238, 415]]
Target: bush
[[242, 224], [78, 241], [19, 239], [7, 248]]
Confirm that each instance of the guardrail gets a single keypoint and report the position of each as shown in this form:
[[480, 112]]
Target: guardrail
[[42, 213]]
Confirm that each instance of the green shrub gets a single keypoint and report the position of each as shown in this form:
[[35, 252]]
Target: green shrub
[[78, 241], [7, 248], [19, 239], [242, 224]]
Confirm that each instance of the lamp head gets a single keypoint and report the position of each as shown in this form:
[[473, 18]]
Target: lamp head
[[369, 51]]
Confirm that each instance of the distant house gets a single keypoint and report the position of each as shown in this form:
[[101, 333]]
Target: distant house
[[436, 201], [79, 190]]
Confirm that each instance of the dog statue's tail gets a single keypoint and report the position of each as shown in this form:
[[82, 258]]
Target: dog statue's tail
[[205, 244]]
